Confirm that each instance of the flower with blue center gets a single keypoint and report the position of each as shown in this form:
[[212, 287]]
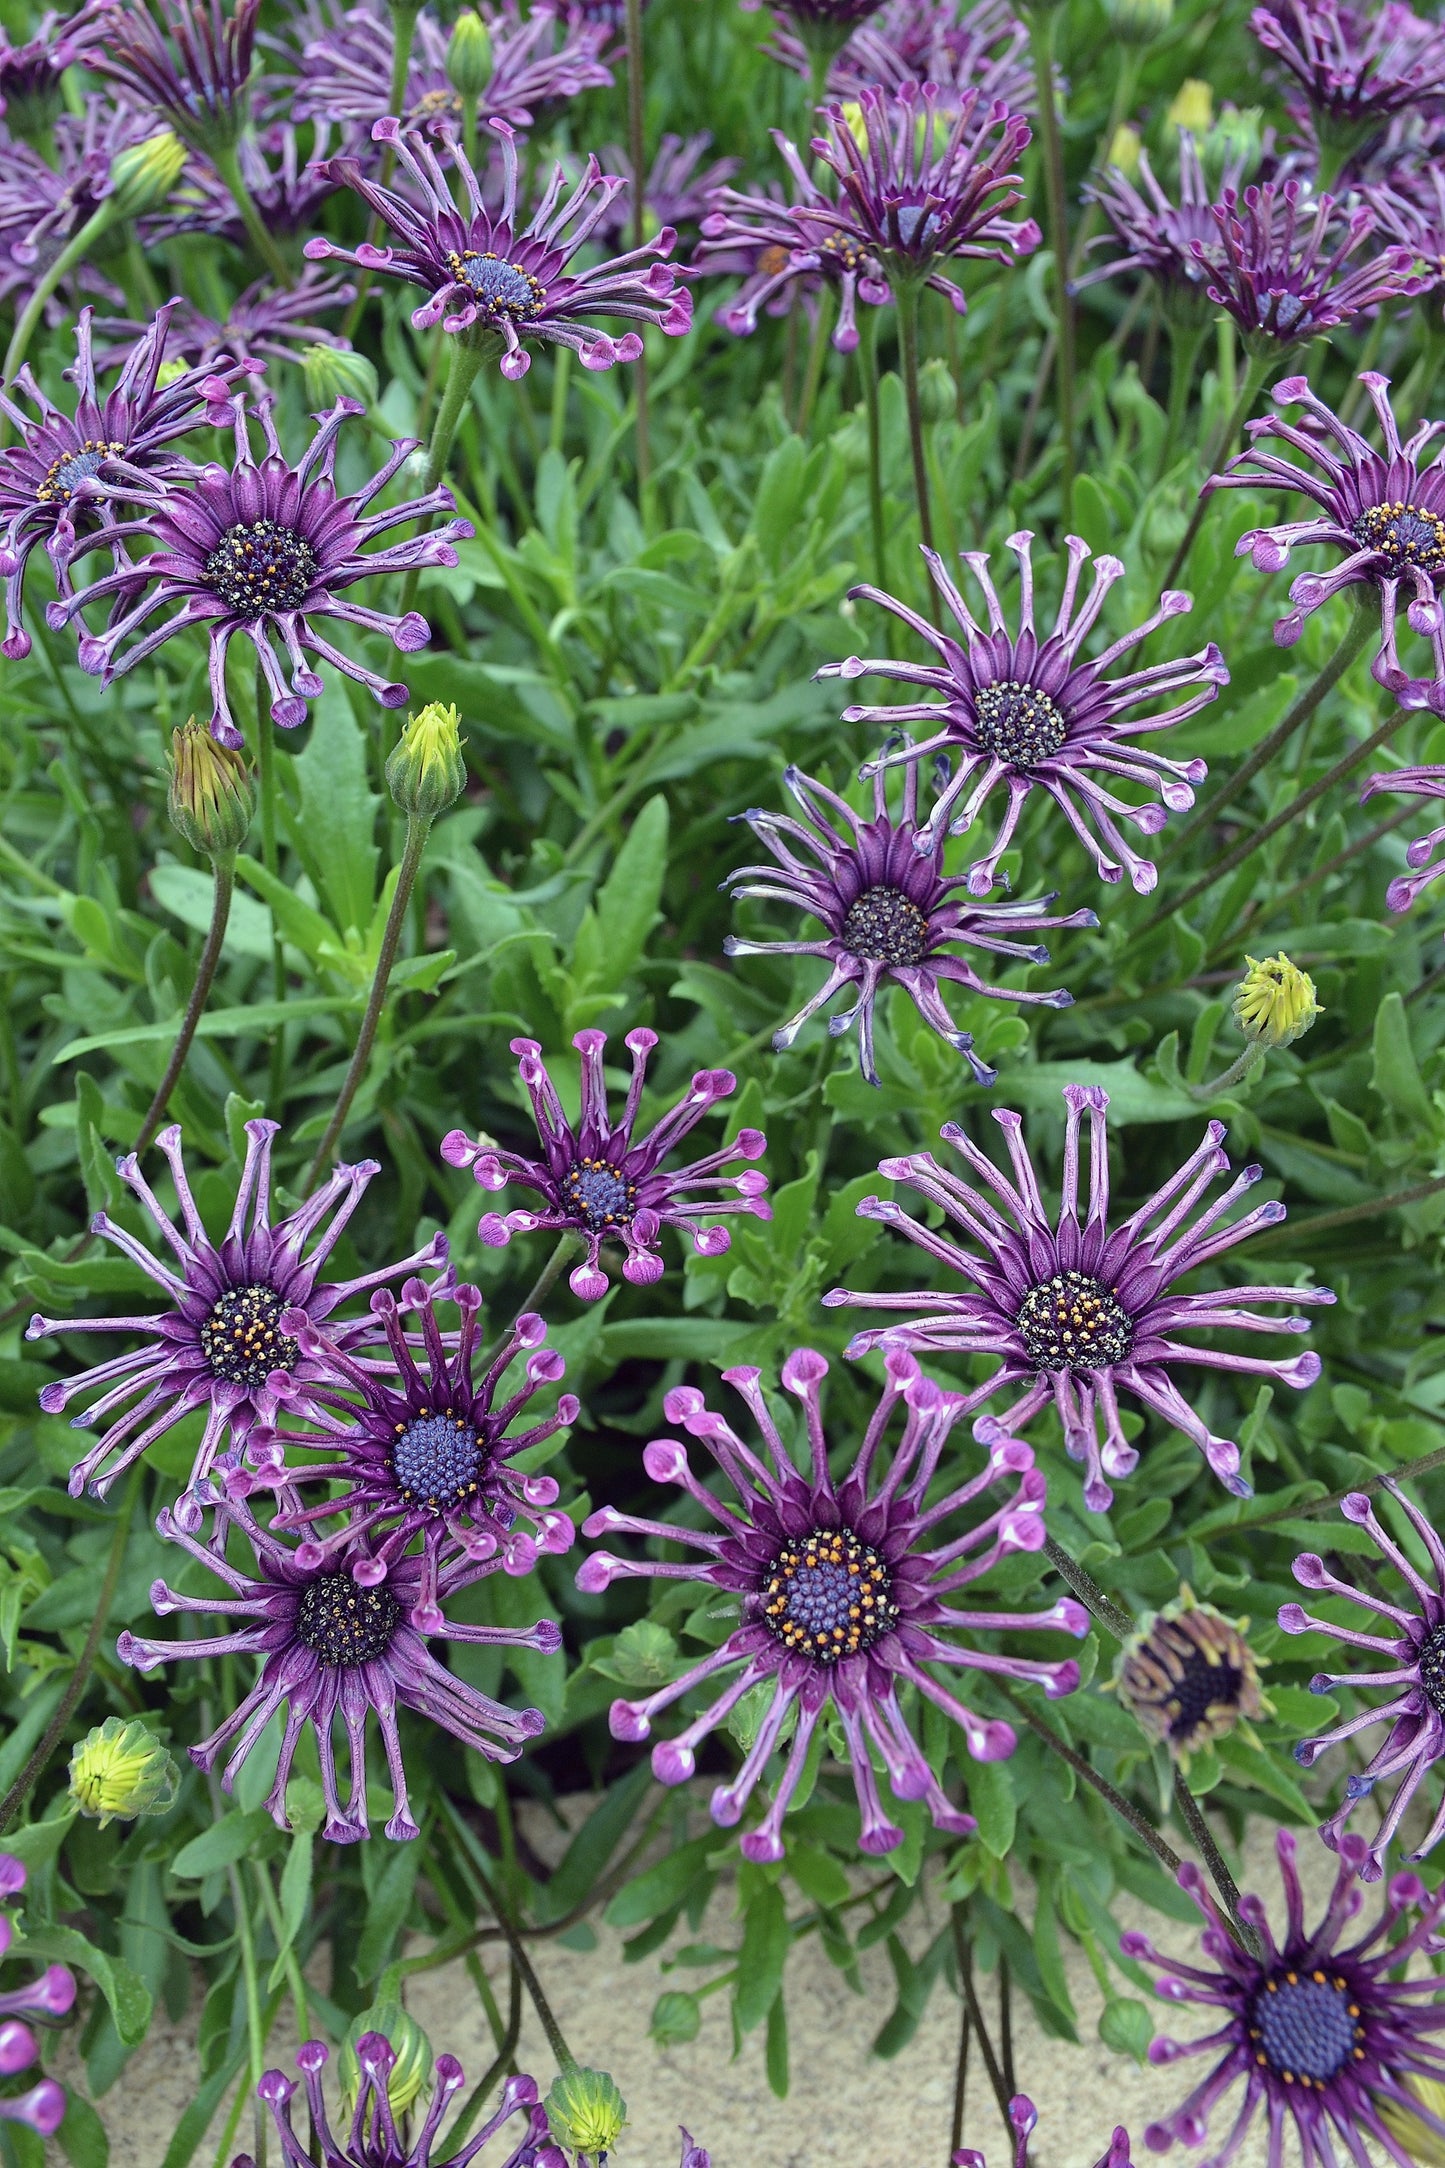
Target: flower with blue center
[[785, 249], [848, 1591], [1280, 264], [187, 60], [43, 2000], [1325, 2034], [376, 2138], [599, 1182]]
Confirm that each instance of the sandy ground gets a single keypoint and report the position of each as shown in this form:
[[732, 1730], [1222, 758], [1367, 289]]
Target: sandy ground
[[846, 2107]]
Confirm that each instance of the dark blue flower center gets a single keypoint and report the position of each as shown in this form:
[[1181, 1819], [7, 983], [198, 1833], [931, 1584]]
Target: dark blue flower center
[[344, 1623], [826, 1595], [259, 566], [240, 1339], [598, 1194], [1305, 2028], [1432, 1669], [886, 927], [1403, 534], [1288, 309], [436, 1460], [64, 475], [917, 226], [1018, 723], [502, 289], [1071, 1321]]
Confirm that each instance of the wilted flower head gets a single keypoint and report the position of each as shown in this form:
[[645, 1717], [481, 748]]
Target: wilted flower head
[[1274, 1003], [847, 1591], [191, 61], [120, 1771], [1073, 1308], [888, 911], [1413, 783], [1280, 263], [497, 283], [374, 2139], [1027, 712], [1023, 2117], [1188, 1676], [51, 1996], [602, 1183]]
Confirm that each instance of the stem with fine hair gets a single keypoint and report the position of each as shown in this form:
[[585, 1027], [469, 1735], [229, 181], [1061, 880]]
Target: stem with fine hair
[[637, 153], [1257, 369], [418, 828], [1139, 1822], [1041, 39], [868, 372], [963, 1957], [481, 2092], [228, 165], [960, 2075], [1192, 1816], [565, 1246], [464, 359], [270, 859], [73, 252], [224, 878], [478, 1867], [907, 298]]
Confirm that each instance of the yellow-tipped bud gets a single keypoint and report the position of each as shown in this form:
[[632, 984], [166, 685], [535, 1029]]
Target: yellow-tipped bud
[[1274, 1003], [211, 799], [426, 771], [1124, 149], [120, 1771], [855, 124], [585, 2112], [410, 2071], [1423, 2144], [142, 177], [338, 372], [469, 56], [1193, 108]]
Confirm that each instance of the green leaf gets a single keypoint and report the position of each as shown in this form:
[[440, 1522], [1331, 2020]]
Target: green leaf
[[662, 1886], [763, 1955], [126, 1994], [248, 1022], [776, 2059], [818, 1875], [82, 2134], [234, 1837], [336, 832], [992, 1804], [1396, 1074], [295, 1900], [388, 1904]]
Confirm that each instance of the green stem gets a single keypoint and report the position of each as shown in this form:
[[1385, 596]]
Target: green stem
[[54, 1731], [1237, 1071], [906, 295], [561, 381], [1138, 1822], [224, 871], [637, 153], [418, 828], [1041, 38], [1349, 1215], [963, 1957], [75, 249], [817, 347], [481, 1868], [1088, 1591], [1257, 369], [256, 2028], [1219, 1874], [295, 1979], [463, 362], [566, 1246], [228, 165], [868, 373], [481, 2092], [1185, 342], [270, 859]]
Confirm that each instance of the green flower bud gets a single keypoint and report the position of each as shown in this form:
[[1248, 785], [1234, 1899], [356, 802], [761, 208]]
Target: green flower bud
[[585, 2112], [1235, 139], [338, 372], [1274, 1003], [411, 2070], [1139, 22], [171, 372], [120, 1771], [937, 391], [1124, 150], [1193, 107], [211, 799], [142, 177], [469, 56], [426, 772]]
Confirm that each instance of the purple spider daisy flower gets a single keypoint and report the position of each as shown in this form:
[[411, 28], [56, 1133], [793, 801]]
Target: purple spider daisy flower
[[1412, 783], [374, 2139], [888, 910], [336, 1638], [492, 281], [45, 1999], [678, 189], [31, 72], [1385, 511], [121, 438], [218, 1344], [1280, 264], [1320, 2031], [1410, 1652], [1075, 1310], [1354, 67], [265, 321], [1023, 2117], [265, 550], [189, 61], [601, 1183], [782, 247], [845, 1592], [1026, 713], [44, 206], [1158, 235], [984, 49], [422, 1452]]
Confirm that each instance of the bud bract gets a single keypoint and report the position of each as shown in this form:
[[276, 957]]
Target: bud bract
[[1124, 148], [142, 177], [469, 56], [1139, 22], [585, 2111], [1233, 145], [338, 372], [1274, 1003], [409, 2044], [426, 772], [1189, 1676], [1193, 107], [211, 799], [120, 1770]]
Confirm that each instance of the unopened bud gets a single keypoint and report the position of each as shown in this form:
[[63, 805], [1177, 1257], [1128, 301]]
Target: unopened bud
[[1233, 145], [426, 772], [142, 177], [1139, 22], [585, 2112], [338, 372], [211, 799], [1422, 2142], [937, 391], [1193, 107], [1274, 1003], [1124, 149], [469, 56], [120, 1771], [1189, 1676], [409, 2044]]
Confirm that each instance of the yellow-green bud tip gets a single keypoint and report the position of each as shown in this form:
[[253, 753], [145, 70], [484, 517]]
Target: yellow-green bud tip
[[408, 2074], [426, 771], [142, 177], [211, 798], [1124, 149], [585, 2112], [1422, 2141], [120, 1770], [1274, 1003], [469, 56], [337, 372], [1193, 108]]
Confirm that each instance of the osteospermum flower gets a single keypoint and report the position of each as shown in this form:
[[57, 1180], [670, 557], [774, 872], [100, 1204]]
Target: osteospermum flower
[[375, 2137], [1355, 67], [1023, 2118], [1077, 1310], [1189, 1676], [336, 1638], [43, 205], [31, 72], [268, 322], [677, 189], [424, 1451], [1319, 2030], [1408, 1653], [1158, 234], [263, 549], [1280, 263], [984, 49], [217, 1345], [1383, 513], [284, 181], [602, 1183], [42, 2108], [496, 282], [787, 248], [1027, 712], [189, 61], [1412, 783], [888, 911], [120, 437], [848, 1592]]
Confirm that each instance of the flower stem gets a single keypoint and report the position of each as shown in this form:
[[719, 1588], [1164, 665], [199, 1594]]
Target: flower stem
[[228, 165], [566, 1246], [1041, 39], [817, 347], [1088, 1591], [1185, 342], [266, 778], [474, 1861], [1193, 1818], [960, 2075], [1236, 1073], [224, 872], [1350, 1215], [561, 380], [907, 299], [418, 828], [77, 248], [637, 154], [868, 372], [1138, 1822], [973, 2015], [1257, 369], [464, 359], [481, 2092]]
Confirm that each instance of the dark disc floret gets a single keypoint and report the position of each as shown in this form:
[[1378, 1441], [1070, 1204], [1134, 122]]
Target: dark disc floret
[[828, 1596], [241, 1340], [1432, 1669], [599, 1195], [1305, 2027], [65, 475], [437, 1459], [345, 1623], [1018, 723], [502, 288], [884, 926], [259, 565], [1071, 1321], [1404, 534], [1201, 1687]]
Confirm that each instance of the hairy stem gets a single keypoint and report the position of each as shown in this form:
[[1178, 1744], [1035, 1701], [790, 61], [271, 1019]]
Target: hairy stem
[[228, 165], [907, 300], [963, 1956], [566, 1246], [1088, 1591], [1257, 369], [1193, 1818], [1236, 1073], [1349, 1215], [1139, 1822], [224, 873], [868, 373], [505, 2056], [637, 153], [1041, 38], [1185, 342]]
